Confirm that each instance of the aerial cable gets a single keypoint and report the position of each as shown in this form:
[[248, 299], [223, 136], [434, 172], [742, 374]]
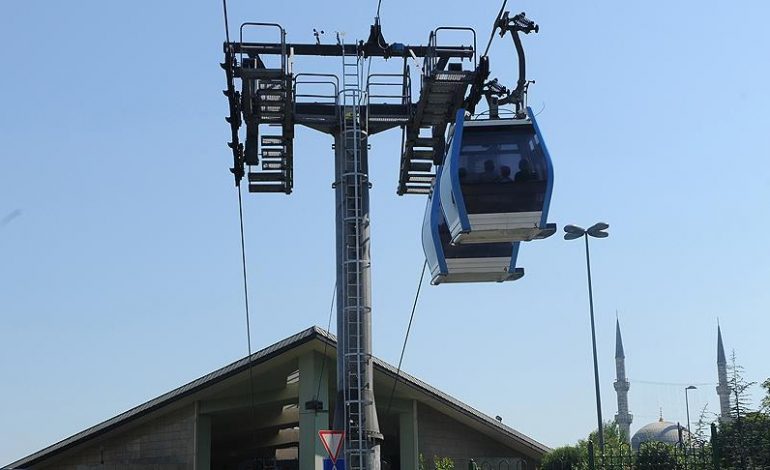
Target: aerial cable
[[245, 279], [227, 24], [243, 262], [246, 303], [672, 384], [240, 217], [379, 27], [326, 343], [494, 28], [406, 338]]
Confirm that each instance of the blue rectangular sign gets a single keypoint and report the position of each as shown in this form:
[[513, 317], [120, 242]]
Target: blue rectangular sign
[[340, 465]]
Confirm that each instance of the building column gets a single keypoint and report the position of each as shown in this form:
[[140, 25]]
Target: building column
[[407, 436], [202, 440], [311, 450]]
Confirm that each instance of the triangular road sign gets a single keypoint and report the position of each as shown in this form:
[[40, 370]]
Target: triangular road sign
[[332, 441]]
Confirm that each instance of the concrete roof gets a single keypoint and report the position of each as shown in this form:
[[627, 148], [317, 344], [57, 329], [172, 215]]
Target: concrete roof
[[438, 399]]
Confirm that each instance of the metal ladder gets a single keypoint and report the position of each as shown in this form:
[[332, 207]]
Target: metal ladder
[[354, 176], [267, 97], [442, 92]]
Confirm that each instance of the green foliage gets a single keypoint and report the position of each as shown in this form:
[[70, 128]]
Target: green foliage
[[739, 386], [563, 458], [703, 424], [615, 441], [656, 456], [439, 463], [766, 400], [745, 442], [443, 463]]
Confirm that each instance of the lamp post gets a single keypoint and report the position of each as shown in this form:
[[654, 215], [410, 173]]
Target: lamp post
[[597, 231], [687, 407]]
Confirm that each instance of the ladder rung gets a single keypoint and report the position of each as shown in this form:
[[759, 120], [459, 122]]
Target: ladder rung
[[272, 140], [273, 107], [422, 155], [271, 95], [420, 178], [419, 166], [273, 165], [417, 189], [273, 153], [271, 85], [264, 177], [267, 188], [423, 142]]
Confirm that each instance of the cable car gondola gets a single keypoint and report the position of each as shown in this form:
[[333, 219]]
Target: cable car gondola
[[479, 262], [497, 181]]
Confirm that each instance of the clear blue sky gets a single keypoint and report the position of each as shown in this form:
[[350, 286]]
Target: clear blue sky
[[120, 278]]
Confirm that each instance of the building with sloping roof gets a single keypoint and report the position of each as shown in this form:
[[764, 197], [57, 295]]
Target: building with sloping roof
[[265, 411]]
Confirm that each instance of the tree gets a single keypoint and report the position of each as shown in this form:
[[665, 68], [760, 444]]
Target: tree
[[703, 424], [439, 463], [766, 400], [744, 441], [656, 455], [443, 463], [615, 441], [562, 458], [741, 402]]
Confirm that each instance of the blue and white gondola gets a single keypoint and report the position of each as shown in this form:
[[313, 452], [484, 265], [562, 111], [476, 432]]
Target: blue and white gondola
[[481, 262], [497, 181]]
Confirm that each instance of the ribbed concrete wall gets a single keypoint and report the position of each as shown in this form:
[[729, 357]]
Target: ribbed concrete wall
[[165, 443], [440, 435]]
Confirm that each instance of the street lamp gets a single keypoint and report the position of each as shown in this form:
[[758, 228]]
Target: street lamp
[[687, 406], [597, 231]]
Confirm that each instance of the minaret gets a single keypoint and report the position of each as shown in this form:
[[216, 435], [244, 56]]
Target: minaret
[[623, 418], [723, 389]]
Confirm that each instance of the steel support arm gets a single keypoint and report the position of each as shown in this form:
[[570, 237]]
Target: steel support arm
[[336, 50]]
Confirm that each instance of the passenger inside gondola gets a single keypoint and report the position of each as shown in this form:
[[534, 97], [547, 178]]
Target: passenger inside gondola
[[505, 174], [487, 158], [525, 172], [488, 176]]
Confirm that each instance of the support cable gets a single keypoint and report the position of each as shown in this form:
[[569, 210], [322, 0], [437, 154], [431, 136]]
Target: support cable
[[227, 24], [245, 279], [671, 384], [406, 338], [248, 322], [494, 28], [326, 343], [243, 259]]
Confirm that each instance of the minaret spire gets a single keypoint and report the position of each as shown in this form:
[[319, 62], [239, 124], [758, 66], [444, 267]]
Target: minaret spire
[[723, 389], [623, 417]]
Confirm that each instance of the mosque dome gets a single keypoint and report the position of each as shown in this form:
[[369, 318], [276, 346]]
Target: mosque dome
[[659, 431]]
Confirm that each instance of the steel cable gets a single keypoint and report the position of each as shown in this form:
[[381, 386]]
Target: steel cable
[[406, 338]]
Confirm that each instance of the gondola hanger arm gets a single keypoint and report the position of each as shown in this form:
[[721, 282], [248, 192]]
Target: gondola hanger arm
[[518, 24], [495, 93]]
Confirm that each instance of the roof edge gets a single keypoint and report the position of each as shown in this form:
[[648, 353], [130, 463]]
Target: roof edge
[[236, 367], [156, 403]]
